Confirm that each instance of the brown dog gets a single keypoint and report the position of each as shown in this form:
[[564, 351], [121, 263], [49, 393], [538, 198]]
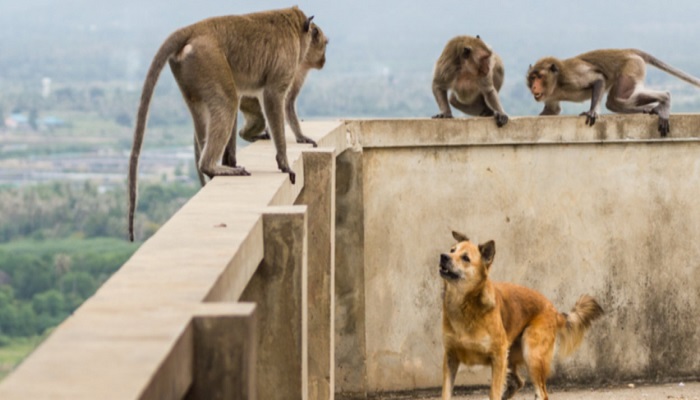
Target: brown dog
[[501, 324]]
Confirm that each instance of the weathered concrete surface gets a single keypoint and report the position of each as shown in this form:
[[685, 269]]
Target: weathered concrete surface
[[225, 350], [134, 338], [350, 333], [670, 391], [319, 197], [279, 287], [573, 210], [608, 210]]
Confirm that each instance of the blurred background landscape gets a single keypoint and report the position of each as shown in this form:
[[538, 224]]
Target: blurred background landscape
[[70, 79]]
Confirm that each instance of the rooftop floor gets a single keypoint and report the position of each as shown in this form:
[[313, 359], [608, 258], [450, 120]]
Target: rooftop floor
[[668, 391]]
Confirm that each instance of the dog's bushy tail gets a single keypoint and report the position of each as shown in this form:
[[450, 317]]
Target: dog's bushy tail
[[577, 323]]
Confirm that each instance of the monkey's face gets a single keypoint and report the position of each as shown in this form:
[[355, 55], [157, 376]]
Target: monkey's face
[[476, 57], [316, 55], [536, 84], [542, 79]]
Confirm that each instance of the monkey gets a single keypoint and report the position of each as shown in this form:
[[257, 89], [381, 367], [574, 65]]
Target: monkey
[[215, 62], [315, 59], [618, 72], [474, 74], [254, 128]]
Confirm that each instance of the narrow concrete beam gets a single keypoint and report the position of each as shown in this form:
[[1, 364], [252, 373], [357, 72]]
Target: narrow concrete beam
[[350, 332], [279, 287], [225, 349], [319, 196]]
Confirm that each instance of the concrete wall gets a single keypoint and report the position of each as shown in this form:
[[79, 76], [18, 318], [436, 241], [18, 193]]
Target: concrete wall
[[231, 299], [610, 211], [342, 266]]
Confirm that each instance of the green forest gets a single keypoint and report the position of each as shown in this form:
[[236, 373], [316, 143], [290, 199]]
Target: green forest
[[58, 243]]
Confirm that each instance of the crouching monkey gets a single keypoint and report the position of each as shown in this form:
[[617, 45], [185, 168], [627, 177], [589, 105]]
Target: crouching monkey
[[473, 73], [620, 73]]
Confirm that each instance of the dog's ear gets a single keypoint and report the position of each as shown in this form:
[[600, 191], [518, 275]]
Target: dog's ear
[[487, 251], [459, 237]]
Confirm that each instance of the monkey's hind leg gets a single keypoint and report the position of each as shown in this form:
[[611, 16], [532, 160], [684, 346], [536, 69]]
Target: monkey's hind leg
[[663, 109], [219, 124], [254, 128], [229, 158], [197, 156], [478, 108], [626, 97], [207, 85]]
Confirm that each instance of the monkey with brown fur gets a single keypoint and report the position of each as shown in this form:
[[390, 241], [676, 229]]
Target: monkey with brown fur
[[620, 73], [254, 119], [473, 73], [217, 61], [255, 128]]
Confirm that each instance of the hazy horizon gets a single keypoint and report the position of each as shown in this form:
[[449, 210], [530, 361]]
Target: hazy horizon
[[397, 40]]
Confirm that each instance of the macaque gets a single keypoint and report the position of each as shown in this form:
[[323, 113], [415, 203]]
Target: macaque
[[315, 59], [254, 128], [620, 73], [473, 73], [217, 61]]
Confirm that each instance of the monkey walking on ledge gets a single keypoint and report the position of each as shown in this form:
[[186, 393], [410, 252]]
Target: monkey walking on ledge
[[473, 73], [217, 61], [254, 128], [619, 72]]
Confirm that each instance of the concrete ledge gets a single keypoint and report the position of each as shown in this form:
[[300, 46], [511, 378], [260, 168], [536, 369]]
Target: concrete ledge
[[225, 352], [134, 339], [345, 260], [520, 131], [319, 196], [280, 288], [608, 211]]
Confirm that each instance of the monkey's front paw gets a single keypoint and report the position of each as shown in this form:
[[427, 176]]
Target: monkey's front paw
[[292, 175], [305, 139], [283, 166], [442, 115], [591, 117], [664, 127], [501, 120]]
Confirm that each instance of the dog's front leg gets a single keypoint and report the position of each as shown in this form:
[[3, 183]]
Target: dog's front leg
[[450, 365], [499, 370]]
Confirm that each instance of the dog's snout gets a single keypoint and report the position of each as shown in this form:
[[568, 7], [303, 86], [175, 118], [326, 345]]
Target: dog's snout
[[444, 258]]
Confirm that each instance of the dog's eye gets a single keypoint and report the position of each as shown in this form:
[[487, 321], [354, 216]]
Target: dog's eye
[[465, 258], [452, 250]]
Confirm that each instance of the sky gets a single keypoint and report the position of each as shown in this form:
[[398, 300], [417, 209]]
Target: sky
[[387, 37], [417, 28]]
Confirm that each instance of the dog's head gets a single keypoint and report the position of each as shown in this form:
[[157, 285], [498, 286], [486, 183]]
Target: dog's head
[[467, 265]]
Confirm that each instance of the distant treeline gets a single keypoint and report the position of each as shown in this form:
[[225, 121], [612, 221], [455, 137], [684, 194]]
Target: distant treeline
[[59, 242], [60, 210]]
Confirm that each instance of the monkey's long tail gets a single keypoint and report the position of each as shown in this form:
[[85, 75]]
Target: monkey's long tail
[[171, 45], [577, 323], [651, 60]]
